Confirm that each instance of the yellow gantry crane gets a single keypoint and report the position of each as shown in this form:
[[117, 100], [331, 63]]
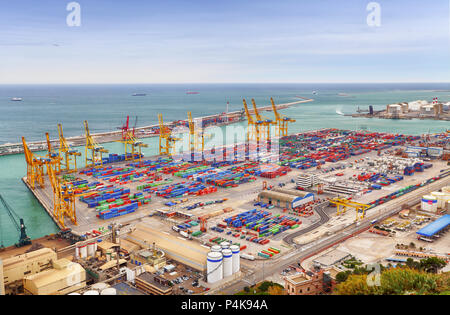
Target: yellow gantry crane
[[282, 121], [63, 199], [195, 139], [263, 122], [253, 130], [166, 141], [55, 159], [94, 151], [66, 153], [132, 146], [360, 208], [35, 166]]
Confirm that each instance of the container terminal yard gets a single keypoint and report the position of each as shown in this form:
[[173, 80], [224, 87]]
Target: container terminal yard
[[277, 206]]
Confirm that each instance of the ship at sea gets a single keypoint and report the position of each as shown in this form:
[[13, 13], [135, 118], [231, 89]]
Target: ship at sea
[[189, 93], [139, 94], [16, 99]]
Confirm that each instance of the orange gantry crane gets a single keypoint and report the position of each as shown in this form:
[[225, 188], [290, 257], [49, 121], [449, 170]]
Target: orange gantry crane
[[35, 166], [55, 159], [133, 147], [63, 199], [66, 153], [253, 130], [166, 141], [196, 138], [265, 123], [93, 151], [282, 121]]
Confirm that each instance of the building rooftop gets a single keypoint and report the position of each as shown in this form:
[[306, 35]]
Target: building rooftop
[[435, 227], [331, 258]]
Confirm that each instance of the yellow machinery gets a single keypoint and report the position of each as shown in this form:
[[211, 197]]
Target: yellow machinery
[[67, 155], [55, 159], [63, 199], [344, 203], [166, 141], [263, 122], [94, 151], [253, 132], [35, 166], [131, 143], [282, 121], [195, 137]]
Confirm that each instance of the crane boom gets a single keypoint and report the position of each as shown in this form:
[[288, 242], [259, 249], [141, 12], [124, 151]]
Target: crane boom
[[23, 238]]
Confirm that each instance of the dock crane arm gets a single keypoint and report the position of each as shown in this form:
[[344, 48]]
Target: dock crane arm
[[23, 239]]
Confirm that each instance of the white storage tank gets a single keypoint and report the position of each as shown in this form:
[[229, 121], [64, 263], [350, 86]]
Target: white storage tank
[[429, 203], [235, 250], [91, 249], [74, 293], [227, 262], [446, 189], [109, 291], [99, 286], [214, 267], [77, 252], [216, 248], [83, 251], [91, 292], [225, 245], [440, 197]]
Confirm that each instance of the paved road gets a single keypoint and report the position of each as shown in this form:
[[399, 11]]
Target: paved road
[[381, 212], [324, 218]]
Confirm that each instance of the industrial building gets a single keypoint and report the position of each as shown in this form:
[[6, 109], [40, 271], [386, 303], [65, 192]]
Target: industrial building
[[188, 253], [331, 258], [307, 180], [435, 227], [64, 278], [153, 285], [285, 198], [16, 268], [154, 258], [311, 283]]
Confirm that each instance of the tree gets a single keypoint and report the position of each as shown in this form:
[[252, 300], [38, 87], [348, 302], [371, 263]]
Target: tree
[[342, 276], [432, 264], [246, 289]]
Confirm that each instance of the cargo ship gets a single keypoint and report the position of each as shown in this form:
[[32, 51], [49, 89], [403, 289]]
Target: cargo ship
[[191, 93], [139, 94], [16, 99]]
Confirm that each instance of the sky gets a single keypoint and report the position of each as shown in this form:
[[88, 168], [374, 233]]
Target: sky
[[233, 41]]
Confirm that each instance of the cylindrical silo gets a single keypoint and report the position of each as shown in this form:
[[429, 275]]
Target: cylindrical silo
[[77, 252], [214, 267], [446, 189], [91, 292], [99, 286], [74, 293], [83, 251], [91, 249], [109, 291], [225, 245], [429, 203], [236, 258], [440, 198], [227, 262], [216, 248]]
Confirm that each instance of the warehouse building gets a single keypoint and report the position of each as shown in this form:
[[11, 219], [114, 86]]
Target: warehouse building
[[284, 198], [65, 277], [184, 251], [17, 267]]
